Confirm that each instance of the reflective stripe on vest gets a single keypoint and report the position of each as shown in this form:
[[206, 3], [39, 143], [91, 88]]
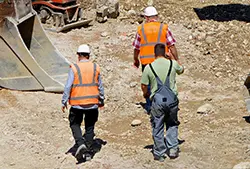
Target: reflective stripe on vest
[[147, 46], [85, 86]]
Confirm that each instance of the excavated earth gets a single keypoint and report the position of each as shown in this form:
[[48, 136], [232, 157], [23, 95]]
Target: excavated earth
[[213, 44]]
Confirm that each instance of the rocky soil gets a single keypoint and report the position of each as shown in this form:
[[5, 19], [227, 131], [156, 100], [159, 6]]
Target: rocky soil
[[215, 52]]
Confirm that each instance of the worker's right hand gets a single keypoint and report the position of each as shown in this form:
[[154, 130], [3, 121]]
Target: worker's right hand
[[136, 63], [63, 108]]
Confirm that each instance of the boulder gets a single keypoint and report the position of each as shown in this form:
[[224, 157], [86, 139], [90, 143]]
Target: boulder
[[205, 109], [102, 14], [242, 165], [113, 8], [136, 122]]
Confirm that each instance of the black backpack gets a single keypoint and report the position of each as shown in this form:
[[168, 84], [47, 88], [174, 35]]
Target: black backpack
[[164, 97]]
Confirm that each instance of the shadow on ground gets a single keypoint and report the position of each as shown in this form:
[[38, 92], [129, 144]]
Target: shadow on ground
[[225, 12], [96, 147], [151, 145], [247, 119]]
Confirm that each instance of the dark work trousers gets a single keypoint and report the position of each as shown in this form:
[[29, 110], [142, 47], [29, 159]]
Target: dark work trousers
[[148, 101], [90, 118]]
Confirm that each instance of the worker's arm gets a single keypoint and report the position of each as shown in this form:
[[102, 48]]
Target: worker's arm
[[101, 91], [144, 89], [145, 82], [173, 52], [137, 45], [171, 45], [136, 58], [67, 89], [178, 67]]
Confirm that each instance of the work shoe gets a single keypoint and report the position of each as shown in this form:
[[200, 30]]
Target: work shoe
[[80, 151], [173, 153], [159, 158], [88, 157]]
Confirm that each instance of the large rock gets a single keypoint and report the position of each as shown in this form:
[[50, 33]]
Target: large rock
[[205, 109], [106, 8], [102, 14], [113, 11], [242, 165], [136, 122]]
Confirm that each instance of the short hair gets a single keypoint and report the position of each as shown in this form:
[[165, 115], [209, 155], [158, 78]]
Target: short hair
[[160, 49], [82, 54]]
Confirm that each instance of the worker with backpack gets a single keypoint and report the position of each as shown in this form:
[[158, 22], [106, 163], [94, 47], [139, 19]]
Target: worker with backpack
[[160, 75]]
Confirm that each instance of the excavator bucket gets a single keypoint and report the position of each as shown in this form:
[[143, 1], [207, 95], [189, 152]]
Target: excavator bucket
[[28, 60], [247, 99]]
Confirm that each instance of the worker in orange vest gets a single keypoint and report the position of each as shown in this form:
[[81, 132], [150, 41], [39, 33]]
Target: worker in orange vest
[[149, 34], [85, 93]]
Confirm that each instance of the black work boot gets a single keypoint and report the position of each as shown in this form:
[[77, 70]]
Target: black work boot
[[80, 151]]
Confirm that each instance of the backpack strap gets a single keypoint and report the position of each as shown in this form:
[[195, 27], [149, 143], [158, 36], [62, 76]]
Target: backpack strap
[[152, 70], [169, 71]]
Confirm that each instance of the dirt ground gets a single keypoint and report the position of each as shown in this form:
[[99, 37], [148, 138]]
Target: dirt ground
[[215, 52]]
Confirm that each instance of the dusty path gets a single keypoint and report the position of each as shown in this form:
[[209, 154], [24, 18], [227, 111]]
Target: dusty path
[[35, 134]]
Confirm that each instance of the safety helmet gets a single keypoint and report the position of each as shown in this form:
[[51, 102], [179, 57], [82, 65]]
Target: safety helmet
[[150, 11], [83, 49]]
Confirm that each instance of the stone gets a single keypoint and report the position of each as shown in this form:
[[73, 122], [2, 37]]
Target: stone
[[136, 122], [131, 13], [104, 34], [209, 40], [198, 43], [242, 165], [201, 36], [113, 8], [133, 84], [102, 14], [205, 109], [218, 74], [245, 42], [108, 69]]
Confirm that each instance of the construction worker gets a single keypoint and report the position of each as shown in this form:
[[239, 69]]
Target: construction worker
[[160, 75], [148, 34], [85, 94]]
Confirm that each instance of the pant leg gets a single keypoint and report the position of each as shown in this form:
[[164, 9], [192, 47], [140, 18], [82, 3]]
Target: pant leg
[[157, 122], [75, 119], [91, 117], [172, 128], [148, 101]]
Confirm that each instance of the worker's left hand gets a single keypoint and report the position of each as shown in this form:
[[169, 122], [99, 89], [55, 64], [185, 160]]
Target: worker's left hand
[[63, 108], [101, 103]]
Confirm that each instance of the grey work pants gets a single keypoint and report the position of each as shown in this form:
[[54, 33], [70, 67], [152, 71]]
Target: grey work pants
[[159, 118]]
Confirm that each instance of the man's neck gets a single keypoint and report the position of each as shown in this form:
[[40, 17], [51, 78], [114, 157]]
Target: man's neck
[[157, 57], [83, 59]]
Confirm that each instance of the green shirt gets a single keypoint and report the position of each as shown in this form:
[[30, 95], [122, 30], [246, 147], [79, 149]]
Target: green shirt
[[161, 66]]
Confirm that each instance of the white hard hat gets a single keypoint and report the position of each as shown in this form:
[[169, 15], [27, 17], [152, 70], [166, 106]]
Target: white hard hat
[[150, 11], [83, 49]]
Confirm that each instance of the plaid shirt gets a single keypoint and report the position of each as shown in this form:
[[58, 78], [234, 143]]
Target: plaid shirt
[[170, 40]]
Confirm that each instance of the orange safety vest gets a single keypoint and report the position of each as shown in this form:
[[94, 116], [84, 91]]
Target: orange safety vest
[[151, 33], [84, 90]]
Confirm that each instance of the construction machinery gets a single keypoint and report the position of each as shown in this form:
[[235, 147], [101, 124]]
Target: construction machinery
[[60, 15], [28, 60]]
